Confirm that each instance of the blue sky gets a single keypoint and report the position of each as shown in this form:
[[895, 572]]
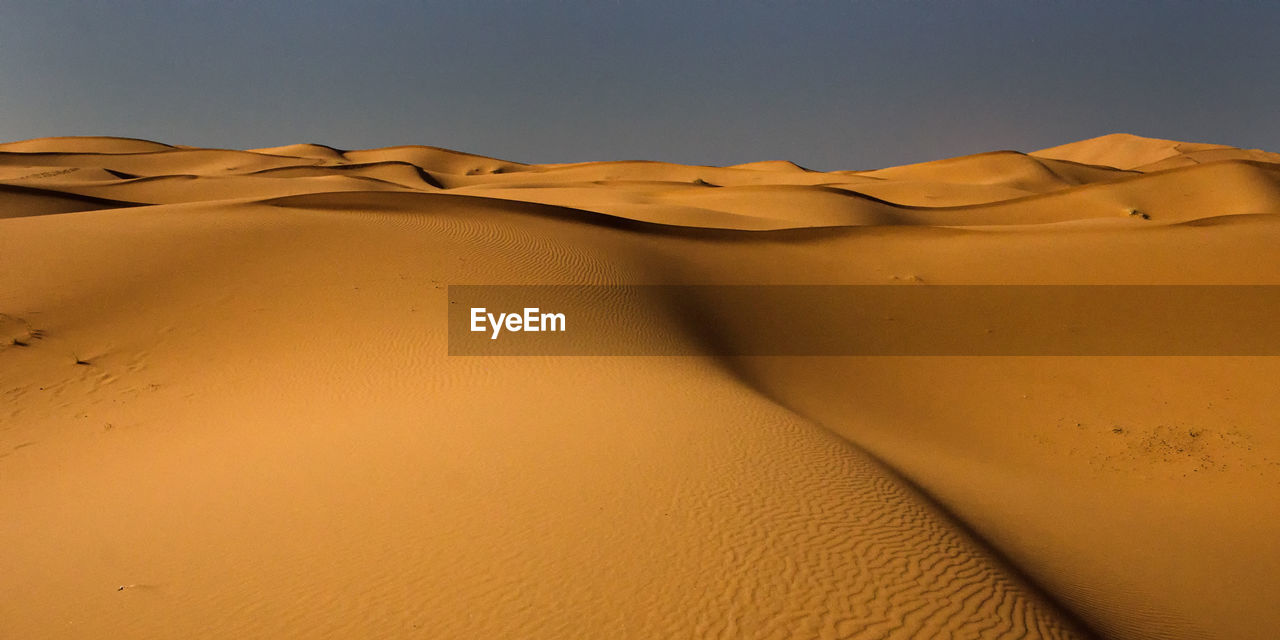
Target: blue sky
[[830, 85]]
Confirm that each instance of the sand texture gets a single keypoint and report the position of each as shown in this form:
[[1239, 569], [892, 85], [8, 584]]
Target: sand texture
[[227, 408]]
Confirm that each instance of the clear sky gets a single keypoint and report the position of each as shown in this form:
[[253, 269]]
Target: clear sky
[[830, 85]]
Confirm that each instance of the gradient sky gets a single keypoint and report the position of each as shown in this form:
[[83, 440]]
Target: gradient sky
[[830, 85]]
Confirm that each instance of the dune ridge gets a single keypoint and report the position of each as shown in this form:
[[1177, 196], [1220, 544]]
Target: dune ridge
[[228, 407], [998, 188]]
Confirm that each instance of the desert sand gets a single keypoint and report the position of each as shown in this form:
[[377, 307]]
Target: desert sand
[[227, 408]]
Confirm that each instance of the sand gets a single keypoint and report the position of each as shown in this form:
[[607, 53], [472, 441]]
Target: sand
[[227, 408]]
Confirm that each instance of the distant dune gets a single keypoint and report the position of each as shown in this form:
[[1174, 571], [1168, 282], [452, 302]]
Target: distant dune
[[227, 408]]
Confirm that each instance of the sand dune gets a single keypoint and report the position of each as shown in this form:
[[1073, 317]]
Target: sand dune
[[1136, 153], [1006, 168], [18, 201], [434, 159], [84, 144], [228, 408]]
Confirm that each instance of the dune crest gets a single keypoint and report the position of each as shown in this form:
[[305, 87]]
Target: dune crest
[[1127, 151]]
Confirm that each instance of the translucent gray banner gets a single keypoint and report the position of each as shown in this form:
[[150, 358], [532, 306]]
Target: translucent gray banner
[[889, 320]]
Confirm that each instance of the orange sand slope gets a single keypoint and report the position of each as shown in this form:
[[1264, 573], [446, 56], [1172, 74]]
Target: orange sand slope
[[228, 409]]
